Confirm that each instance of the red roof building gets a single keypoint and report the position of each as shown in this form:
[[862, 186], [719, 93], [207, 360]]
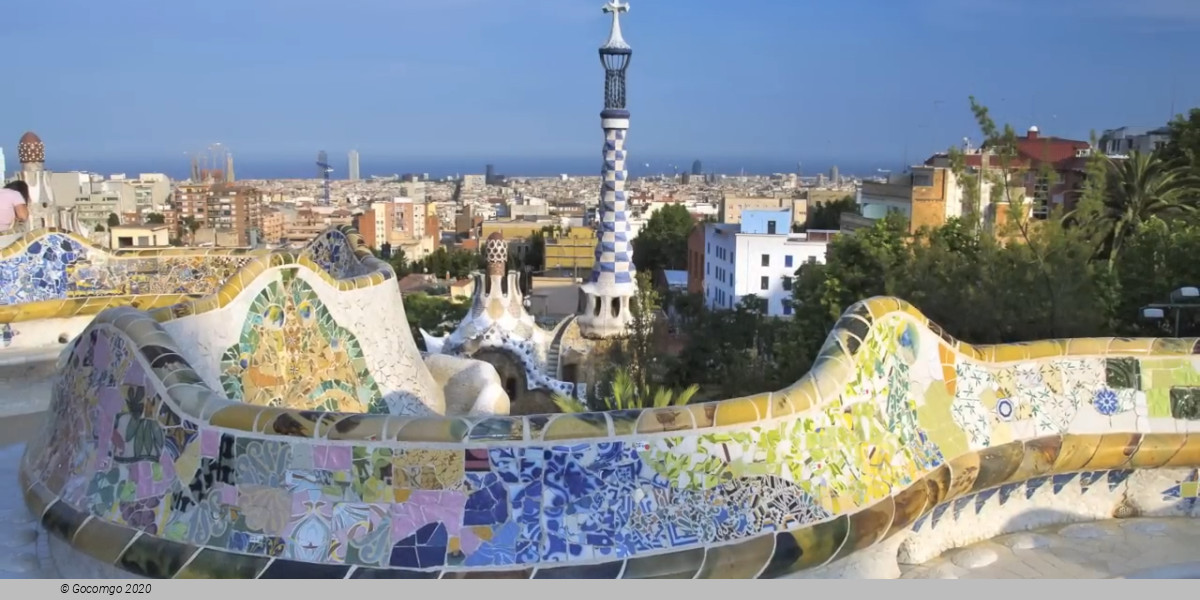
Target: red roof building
[[1066, 160]]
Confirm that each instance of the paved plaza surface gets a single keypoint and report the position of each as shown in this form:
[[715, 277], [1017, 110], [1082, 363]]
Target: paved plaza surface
[[1159, 548]]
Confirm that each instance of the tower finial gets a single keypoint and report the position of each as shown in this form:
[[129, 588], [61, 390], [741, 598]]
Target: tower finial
[[615, 41]]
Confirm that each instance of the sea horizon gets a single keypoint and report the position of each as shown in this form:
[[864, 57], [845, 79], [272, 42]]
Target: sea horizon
[[437, 168]]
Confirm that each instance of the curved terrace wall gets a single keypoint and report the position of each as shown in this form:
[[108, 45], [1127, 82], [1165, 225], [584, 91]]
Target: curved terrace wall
[[52, 283], [144, 466], [297, 329]]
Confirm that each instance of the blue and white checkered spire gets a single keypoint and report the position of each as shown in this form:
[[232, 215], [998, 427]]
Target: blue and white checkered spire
[[605, 299], [614, 252]]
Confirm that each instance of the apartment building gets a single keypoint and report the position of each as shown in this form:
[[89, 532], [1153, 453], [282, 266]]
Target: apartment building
[[574, 251], [1052, 169], [731, 208], [759, 257], [400, 222], [237, 209], [272, 226], [228, 208], [1123, 140]]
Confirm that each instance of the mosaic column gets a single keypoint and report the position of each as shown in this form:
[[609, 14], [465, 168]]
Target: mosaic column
[[605, 298]]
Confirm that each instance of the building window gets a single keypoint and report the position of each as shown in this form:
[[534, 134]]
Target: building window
[[766, 283], [787, 307], [771, 227], [766, 260], [787, 284], [787, 261]]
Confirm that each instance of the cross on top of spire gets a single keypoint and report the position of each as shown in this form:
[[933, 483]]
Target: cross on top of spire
[[615, 41], [616, 6]]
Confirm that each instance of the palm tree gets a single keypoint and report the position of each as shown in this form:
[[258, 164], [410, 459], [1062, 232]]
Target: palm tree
[[1142, 187]]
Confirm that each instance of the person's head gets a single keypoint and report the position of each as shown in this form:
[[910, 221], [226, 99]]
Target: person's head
[[20, 187]]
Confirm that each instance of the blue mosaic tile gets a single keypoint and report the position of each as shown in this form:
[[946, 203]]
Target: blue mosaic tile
[[982, 498], [1033, 485], [1116, 478], [1006, 491], [960, 504], [1061, 481], [938, 511], [920, 522], [1088, 478]]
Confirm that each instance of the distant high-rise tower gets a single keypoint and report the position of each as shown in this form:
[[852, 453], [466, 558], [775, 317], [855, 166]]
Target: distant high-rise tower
[[834, 177], [195, 174], [697, 167], [489, 177], [604, 307], [229, 168], [354, 165], [3, 166], [323, 171]]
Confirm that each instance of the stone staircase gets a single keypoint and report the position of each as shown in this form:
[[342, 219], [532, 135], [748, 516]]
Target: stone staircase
[[555, 350]]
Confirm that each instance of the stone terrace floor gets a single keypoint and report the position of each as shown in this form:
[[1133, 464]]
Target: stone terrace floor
[[1106, 549], [18, 529]]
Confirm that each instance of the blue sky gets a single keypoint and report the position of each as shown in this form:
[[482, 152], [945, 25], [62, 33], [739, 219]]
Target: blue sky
[[799, 79]]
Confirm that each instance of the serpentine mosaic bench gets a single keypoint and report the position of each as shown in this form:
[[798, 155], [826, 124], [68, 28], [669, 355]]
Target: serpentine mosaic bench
[[52, 283], [146, 468], [279, 341]]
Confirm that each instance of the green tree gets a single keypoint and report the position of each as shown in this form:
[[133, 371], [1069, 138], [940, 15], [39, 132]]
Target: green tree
[[1094, 190], [399, 262], [192, 226], [644, 310], [662, 243], [113, 220], [1183, 145], [434, 314], [535, 257], [1159, 256], [1142, 187], [856, 267], [155, 218], [829, 214], [456, 264]]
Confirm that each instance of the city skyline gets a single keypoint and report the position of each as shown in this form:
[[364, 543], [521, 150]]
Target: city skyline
[[484, 80]]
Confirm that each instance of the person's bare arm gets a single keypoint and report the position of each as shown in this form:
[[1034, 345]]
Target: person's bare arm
[[22, 212]]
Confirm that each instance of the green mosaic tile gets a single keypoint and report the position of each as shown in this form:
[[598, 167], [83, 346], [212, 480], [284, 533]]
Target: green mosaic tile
[[1159, 376], [1185, 403], [1123, 373]]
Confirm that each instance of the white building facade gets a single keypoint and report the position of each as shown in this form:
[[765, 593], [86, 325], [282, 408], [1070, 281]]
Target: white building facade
[[747, 259]]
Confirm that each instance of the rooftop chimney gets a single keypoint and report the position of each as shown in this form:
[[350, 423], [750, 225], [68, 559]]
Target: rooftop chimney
[[1033, 133]]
